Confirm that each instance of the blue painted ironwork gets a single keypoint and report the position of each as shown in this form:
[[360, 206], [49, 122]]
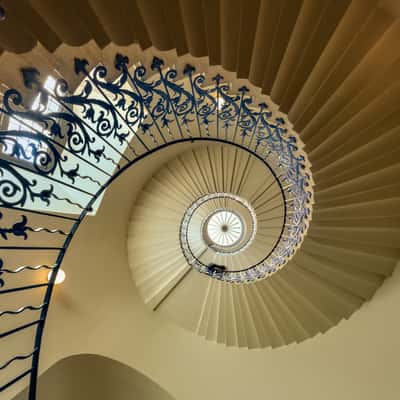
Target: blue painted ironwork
[[98, 132], [21, 228]]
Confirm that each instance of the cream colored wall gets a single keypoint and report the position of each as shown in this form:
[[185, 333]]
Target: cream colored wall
[[89, 376], [97, 310]]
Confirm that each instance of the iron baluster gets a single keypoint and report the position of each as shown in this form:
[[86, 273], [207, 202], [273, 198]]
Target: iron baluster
[[159, 99], [156, 65], [242, 92], [121, 64], [262, 107], [80, 67], [46, 138], [188, 71]]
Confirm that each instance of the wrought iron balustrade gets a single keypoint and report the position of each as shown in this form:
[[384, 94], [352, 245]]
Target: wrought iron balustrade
[[48, 186]]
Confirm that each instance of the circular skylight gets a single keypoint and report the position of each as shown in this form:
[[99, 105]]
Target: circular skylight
[[225, 228]]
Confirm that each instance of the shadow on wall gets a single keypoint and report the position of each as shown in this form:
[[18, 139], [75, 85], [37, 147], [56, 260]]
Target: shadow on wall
[[87, 376]]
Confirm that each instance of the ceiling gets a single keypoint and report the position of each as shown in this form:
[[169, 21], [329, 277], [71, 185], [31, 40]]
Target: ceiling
[[334, 67]]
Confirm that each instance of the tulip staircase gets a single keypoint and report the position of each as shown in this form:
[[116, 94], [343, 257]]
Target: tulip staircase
[[282, 218]]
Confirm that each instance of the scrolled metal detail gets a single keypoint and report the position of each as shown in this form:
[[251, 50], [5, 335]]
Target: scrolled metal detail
[[21, 229], [17, 229], [42, 153], [205, 101], [106, 126], [62, 128], [15, 189]]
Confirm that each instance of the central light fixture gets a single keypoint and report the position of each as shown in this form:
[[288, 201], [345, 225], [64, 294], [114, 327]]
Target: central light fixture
[[225, 228]]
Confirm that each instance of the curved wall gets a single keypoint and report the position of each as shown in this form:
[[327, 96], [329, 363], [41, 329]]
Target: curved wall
[[339, 69], [89, 376], [98, 310]]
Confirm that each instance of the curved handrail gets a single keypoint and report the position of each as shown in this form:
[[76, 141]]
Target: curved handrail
[[75, 153], [256, 271]]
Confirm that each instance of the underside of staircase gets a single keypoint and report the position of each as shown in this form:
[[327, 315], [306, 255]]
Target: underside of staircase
[[330, 69]]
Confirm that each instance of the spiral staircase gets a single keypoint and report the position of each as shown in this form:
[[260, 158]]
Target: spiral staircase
[[322, 284], [290, 183]]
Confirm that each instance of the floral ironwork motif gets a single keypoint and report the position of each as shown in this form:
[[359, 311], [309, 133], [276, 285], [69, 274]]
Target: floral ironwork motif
[[102, 129], [17, 229]]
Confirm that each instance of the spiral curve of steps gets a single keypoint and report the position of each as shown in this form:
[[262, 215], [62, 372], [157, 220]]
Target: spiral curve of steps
[[332, 67], [326, 281]]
